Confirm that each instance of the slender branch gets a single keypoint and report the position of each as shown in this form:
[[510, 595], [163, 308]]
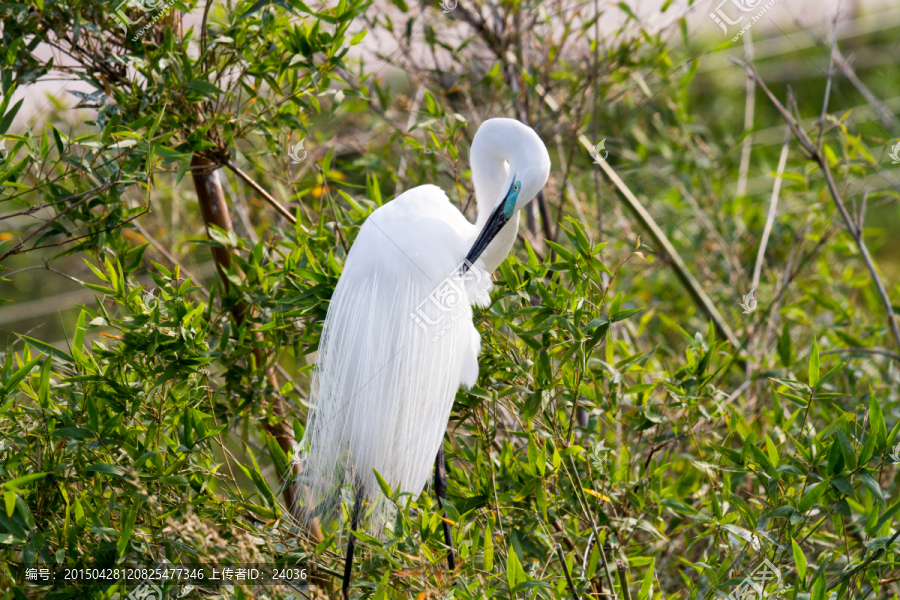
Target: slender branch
[[44, 267], [93, 233], [690, 282], [875, 351], [748, 120], [174, 261], [87, 196], [887, 117], [562, 560], [830, 78], [819, 158], [623, 579], [875, 555], [266, 196], [773, 209]]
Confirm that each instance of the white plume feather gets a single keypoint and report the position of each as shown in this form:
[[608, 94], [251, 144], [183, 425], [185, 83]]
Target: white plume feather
[[384, 383]]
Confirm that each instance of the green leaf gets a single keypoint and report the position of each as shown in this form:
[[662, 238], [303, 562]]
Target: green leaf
[[45, 347], [7, 119], [18, 482], [105, 469], [514, 572], [19, 375], [9, 497], [127, 528], [814, 365], [44, 387], [78, 338], [847, 450], [771, 450], [383, 484], [811, 496], [800, 561], [647, 584], [818, 588], [785, 349], [872, 485], [488, 547], [877, 426], [888, 514], [205, 87], [76, 433], [627, 10]]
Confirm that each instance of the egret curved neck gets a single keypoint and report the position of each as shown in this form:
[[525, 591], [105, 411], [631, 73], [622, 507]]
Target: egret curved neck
[[497, 251]]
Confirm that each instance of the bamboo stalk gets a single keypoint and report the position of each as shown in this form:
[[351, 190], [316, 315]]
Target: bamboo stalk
[[773, 209], [659, 236], [562, 560]]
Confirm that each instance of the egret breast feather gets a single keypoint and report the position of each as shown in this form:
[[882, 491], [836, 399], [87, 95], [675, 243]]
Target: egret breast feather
[[383, 395]]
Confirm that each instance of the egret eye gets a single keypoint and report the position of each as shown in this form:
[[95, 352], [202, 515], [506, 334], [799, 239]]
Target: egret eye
[[516, 187]]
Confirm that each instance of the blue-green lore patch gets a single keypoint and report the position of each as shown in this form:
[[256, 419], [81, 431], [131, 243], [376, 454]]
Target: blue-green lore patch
[[509, 205]]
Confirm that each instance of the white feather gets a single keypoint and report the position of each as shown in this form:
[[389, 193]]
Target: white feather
[[396, 346]]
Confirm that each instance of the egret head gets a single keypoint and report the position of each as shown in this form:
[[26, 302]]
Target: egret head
[[510, 165]]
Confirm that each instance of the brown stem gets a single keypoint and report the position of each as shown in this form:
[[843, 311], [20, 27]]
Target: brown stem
[[266, 195], [214, 210], [623, 579]]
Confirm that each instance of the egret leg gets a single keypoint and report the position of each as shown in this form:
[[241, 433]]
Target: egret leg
[[351, 543], [440, 486]]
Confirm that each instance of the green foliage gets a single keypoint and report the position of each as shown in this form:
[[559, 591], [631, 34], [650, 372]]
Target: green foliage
[[609, 420]]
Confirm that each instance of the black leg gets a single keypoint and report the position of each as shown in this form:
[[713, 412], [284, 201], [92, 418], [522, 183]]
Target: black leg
[[351, 544], [440, 487]]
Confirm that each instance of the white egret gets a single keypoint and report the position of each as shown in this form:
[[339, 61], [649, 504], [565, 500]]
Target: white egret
[[399, 339]]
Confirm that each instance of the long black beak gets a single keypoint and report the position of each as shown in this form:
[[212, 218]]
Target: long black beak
[[494, 224]]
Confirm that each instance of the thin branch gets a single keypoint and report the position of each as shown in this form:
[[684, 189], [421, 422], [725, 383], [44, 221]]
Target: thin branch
[[266, 196], [172, 260], [88, 195], [874, 351], [830, 79], [93, 233], [875, 555], [659, 236], [562, 560], [44, 267], [818, 157], [773, 209], [748, 120], [887, 117], [687, 278]]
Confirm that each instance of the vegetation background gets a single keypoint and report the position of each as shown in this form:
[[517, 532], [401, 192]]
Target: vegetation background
[[634, 433]]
